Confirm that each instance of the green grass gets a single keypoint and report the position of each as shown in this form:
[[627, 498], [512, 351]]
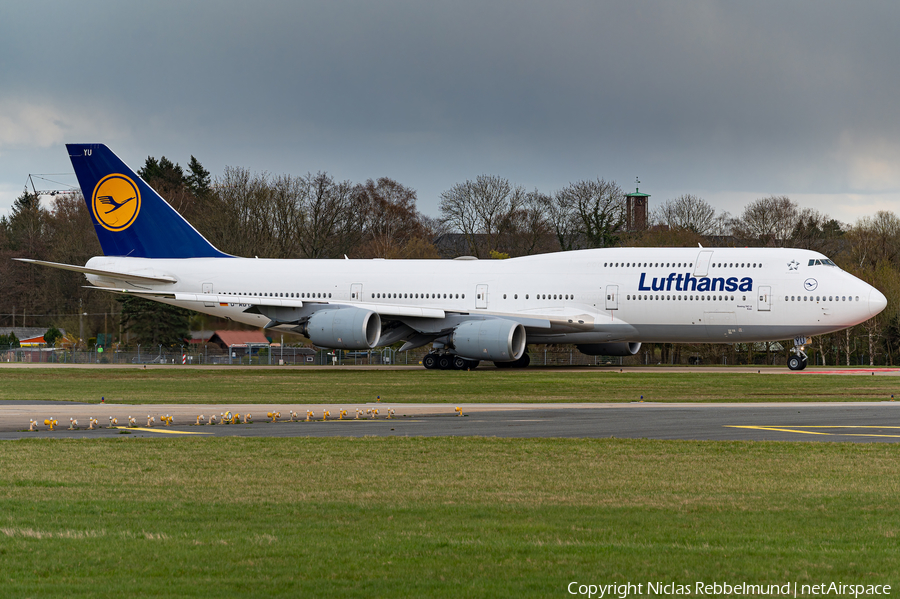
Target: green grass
[[184, 385], [396, 517]]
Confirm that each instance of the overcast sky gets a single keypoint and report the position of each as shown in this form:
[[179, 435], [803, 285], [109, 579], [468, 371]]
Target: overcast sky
[[727, 100]]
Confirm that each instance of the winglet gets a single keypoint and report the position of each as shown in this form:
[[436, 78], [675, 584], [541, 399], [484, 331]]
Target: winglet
[[129, 217]]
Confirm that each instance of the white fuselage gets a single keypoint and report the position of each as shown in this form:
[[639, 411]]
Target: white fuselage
[[718, 295]]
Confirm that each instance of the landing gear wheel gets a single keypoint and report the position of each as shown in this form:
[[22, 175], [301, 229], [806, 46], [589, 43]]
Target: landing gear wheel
[[430, 361], [503, 364], [522, 362], [805, 361], [445, 362], [472, 364], [796, 363], [460, 363]]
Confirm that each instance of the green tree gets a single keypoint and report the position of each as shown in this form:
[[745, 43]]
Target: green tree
[[154, 323], [198, 180], [25, 226], [162, 171], [52, 336], [9, 341]]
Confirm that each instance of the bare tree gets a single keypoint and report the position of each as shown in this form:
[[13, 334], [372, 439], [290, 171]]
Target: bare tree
[[527, 229], [393, 226], [769, 221], [588, 213], [874, 239], [687, 212], [241, 222], [723, 225], [482, 207], [330, 218]]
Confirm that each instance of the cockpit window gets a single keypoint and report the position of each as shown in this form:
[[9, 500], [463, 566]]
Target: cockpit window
[[824, 261]]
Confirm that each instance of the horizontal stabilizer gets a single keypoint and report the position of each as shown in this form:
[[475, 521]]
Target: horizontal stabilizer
[[124, 276]]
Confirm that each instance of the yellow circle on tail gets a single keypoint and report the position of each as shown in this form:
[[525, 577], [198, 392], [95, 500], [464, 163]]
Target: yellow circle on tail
[[116, 202]]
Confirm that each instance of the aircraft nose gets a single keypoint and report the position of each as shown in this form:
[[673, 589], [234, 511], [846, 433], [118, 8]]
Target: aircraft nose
[[877, 302]]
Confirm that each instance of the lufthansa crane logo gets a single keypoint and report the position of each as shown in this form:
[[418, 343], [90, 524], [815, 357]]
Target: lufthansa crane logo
[[116, 202]]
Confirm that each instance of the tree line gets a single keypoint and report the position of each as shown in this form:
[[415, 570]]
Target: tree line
[[317, 216]]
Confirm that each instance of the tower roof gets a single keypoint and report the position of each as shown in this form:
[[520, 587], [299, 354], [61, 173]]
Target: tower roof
[[637, 194]]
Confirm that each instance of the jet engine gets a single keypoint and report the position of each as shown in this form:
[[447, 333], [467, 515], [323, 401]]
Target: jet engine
[[344, 328], [609, 349], [496, 340]]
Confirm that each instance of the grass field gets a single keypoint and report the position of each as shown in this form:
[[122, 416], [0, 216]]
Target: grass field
[[438, 517], [184, 385]]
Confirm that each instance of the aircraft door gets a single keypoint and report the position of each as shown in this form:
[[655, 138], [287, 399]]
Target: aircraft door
[[701, 269], [765, 298], [208, 288], [356, 292], [481, 292], [612, 297]]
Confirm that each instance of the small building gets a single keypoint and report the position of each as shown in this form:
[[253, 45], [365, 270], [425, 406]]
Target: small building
[[32, 346], [200, 338], [239, 342], [28, 336]]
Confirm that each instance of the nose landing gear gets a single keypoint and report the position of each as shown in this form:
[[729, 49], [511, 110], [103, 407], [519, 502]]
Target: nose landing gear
[[799, 358]]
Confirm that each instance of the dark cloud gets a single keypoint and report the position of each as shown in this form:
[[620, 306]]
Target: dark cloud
[[731, 99]]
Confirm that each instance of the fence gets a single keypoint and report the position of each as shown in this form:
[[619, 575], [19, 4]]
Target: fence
[[548, 355], [288, 356]]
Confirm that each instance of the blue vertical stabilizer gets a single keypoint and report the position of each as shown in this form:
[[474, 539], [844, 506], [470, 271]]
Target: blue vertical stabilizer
[[129, 217]]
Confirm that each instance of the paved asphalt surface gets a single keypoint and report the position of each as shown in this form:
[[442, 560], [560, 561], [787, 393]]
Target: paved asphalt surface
[[856, 422]]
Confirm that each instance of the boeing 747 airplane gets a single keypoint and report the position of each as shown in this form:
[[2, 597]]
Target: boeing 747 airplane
[[604, 301]]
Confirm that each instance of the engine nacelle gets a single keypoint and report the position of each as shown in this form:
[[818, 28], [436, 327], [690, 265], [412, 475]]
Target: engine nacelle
[[497, 340], [344, 328], [609, 349]]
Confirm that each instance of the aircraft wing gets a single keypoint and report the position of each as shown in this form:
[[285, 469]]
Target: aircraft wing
[[276, 302]]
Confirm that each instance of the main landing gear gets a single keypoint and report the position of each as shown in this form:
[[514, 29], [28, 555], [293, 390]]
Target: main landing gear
[[444, 361], [798, 359]]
